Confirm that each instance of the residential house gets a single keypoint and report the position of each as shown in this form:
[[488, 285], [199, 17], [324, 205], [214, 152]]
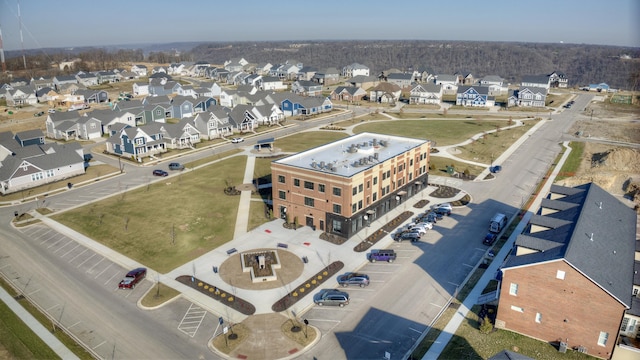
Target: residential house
[[107, 77], [527, 97], [253, 80], [244, 118], [237, 64], [203, 103], [630, 327], [426, 93], [497, 86], [88, 128], [26, 167], [271, 83], [182, 106], [87, 79], [306, 73], [109, 119], [159, 70], [355, 69], [214, 123], [263, 68], [60, 80], [140, 70], [569, 278], [558, 80], [21, 95], [423, 75], [385, 92], [93, 96], [296, 105], [40, 83], [541, 81], [362, 81], [153, 113], [29, 137], [140, 89], [127, 75], [137, 143], [210, 89], [348, 93], [158, 87], [268, 115], [449, 83], [306, 88], [47, 95], [182, 135], [186, 90], [328, 76], [128, 105], [475, 96], [286, 70], [403, 80], [62, 125], [177, 69]]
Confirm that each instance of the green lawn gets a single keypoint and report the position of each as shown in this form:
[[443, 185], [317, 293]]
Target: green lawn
[[443, 132], [573, 161], [167, 223]]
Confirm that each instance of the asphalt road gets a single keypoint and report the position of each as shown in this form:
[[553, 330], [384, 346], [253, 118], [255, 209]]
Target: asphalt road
[[387, 316]]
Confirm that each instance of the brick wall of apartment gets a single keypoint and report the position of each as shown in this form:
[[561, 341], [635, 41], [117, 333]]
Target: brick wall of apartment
[[574, 310], [368, 184]]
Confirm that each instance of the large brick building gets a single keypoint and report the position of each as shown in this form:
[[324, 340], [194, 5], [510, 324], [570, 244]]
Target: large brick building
[[342, 186], [569, 278]]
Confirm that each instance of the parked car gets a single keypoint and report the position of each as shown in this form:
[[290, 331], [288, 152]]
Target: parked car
[[331, 297], [424, 224], [176, 166], [446, 206], [52, 111], [87, 157], [158, 172], [359, 279], [40, 113], [442, 211], [132, 278], [418, 229], [382, 255], [412, 236], [490, 238], [432, 217], [495, 169], [237, 140]]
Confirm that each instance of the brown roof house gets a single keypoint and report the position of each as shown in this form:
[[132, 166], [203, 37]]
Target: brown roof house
[[569, 277]]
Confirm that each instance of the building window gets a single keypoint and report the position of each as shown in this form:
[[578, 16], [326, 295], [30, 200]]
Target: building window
[[513, 289], [560, 275], [354, 208], [139, 141], [50, 173], [368, 184], [337, 208], [635, 291], [383, 191], [37, 176], [602, 339], [308, 185], [517, 308], [388, 173], [538, 318], [625, 322], [375, 180], [375, 196], [296, 182], [308, 201], [384, 176], [360, 187], [355, 190], [337, 191], [359, 204], [281, 179], [411, 162], [337, 226], [282, 195], [321, 188]]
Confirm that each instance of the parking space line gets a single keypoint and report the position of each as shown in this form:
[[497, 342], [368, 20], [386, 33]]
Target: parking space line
[[192, 320], [111, 278], [94, 265], [55, 243], [468, 265], [69, 252], [53, 237], [412, 329], [53, 307], [70, 326], [105, 269], [436, 305], [34, 292], [454, 284], [63, 246], [87, 259], [102, 343], [75, 257]]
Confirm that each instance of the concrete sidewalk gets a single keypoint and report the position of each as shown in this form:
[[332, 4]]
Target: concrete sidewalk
[[445, 336]]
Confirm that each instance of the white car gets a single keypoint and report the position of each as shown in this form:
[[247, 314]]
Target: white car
[[419, 229], [443, 206], [426, 225], [237, 140]]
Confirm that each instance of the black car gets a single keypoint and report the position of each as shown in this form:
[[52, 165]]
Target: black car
[[412, 236], [442, 211], [490, 238], [359, 279], [158, 172]]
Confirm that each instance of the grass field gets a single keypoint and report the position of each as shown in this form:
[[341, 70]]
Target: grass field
[[146, 225]]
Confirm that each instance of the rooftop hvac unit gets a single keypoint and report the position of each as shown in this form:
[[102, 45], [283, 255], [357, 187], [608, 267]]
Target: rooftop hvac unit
[[361, 161], [352, 148], [370, 158], [383, 142], [375, 142], [582, 349], [364, 144], [375, 156], [322, 164], [314, 165]]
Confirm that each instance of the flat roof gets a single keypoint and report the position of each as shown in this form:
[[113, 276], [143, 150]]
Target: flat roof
[[352, 155]]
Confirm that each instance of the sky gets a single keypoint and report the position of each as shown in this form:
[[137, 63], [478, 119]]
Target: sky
[[74, 23]]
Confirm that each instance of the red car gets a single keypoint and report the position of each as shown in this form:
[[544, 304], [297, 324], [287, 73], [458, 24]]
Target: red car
[[132, 278]]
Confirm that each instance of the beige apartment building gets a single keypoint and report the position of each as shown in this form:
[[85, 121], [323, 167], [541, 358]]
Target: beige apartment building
[[340, 187]]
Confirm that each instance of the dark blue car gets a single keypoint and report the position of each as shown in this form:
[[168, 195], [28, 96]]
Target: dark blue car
[[495, 169]]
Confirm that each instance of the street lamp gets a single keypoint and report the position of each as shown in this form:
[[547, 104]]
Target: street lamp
[[306, 323], [591, 119]]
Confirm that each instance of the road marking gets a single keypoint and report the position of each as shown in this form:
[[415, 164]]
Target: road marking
[[89, 258], [69, 327], [105, 269], [412, 329], [53, 307], [94, 265], [102, 343], [75, 257], [33, 292], [55, 243], [454, 284], [63, 246], [111, 278], [436, 305], [69, 252], [320, 320], [479, 249], [468, 265], [192, 320]]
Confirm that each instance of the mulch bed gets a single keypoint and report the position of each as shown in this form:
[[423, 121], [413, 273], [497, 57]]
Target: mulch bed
[[444, 191], [332, 238], [420, 204], [307, 287], [218, 294], [382, 232]]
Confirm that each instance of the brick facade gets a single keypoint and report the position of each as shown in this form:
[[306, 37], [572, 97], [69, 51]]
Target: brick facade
[[574, 310]]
